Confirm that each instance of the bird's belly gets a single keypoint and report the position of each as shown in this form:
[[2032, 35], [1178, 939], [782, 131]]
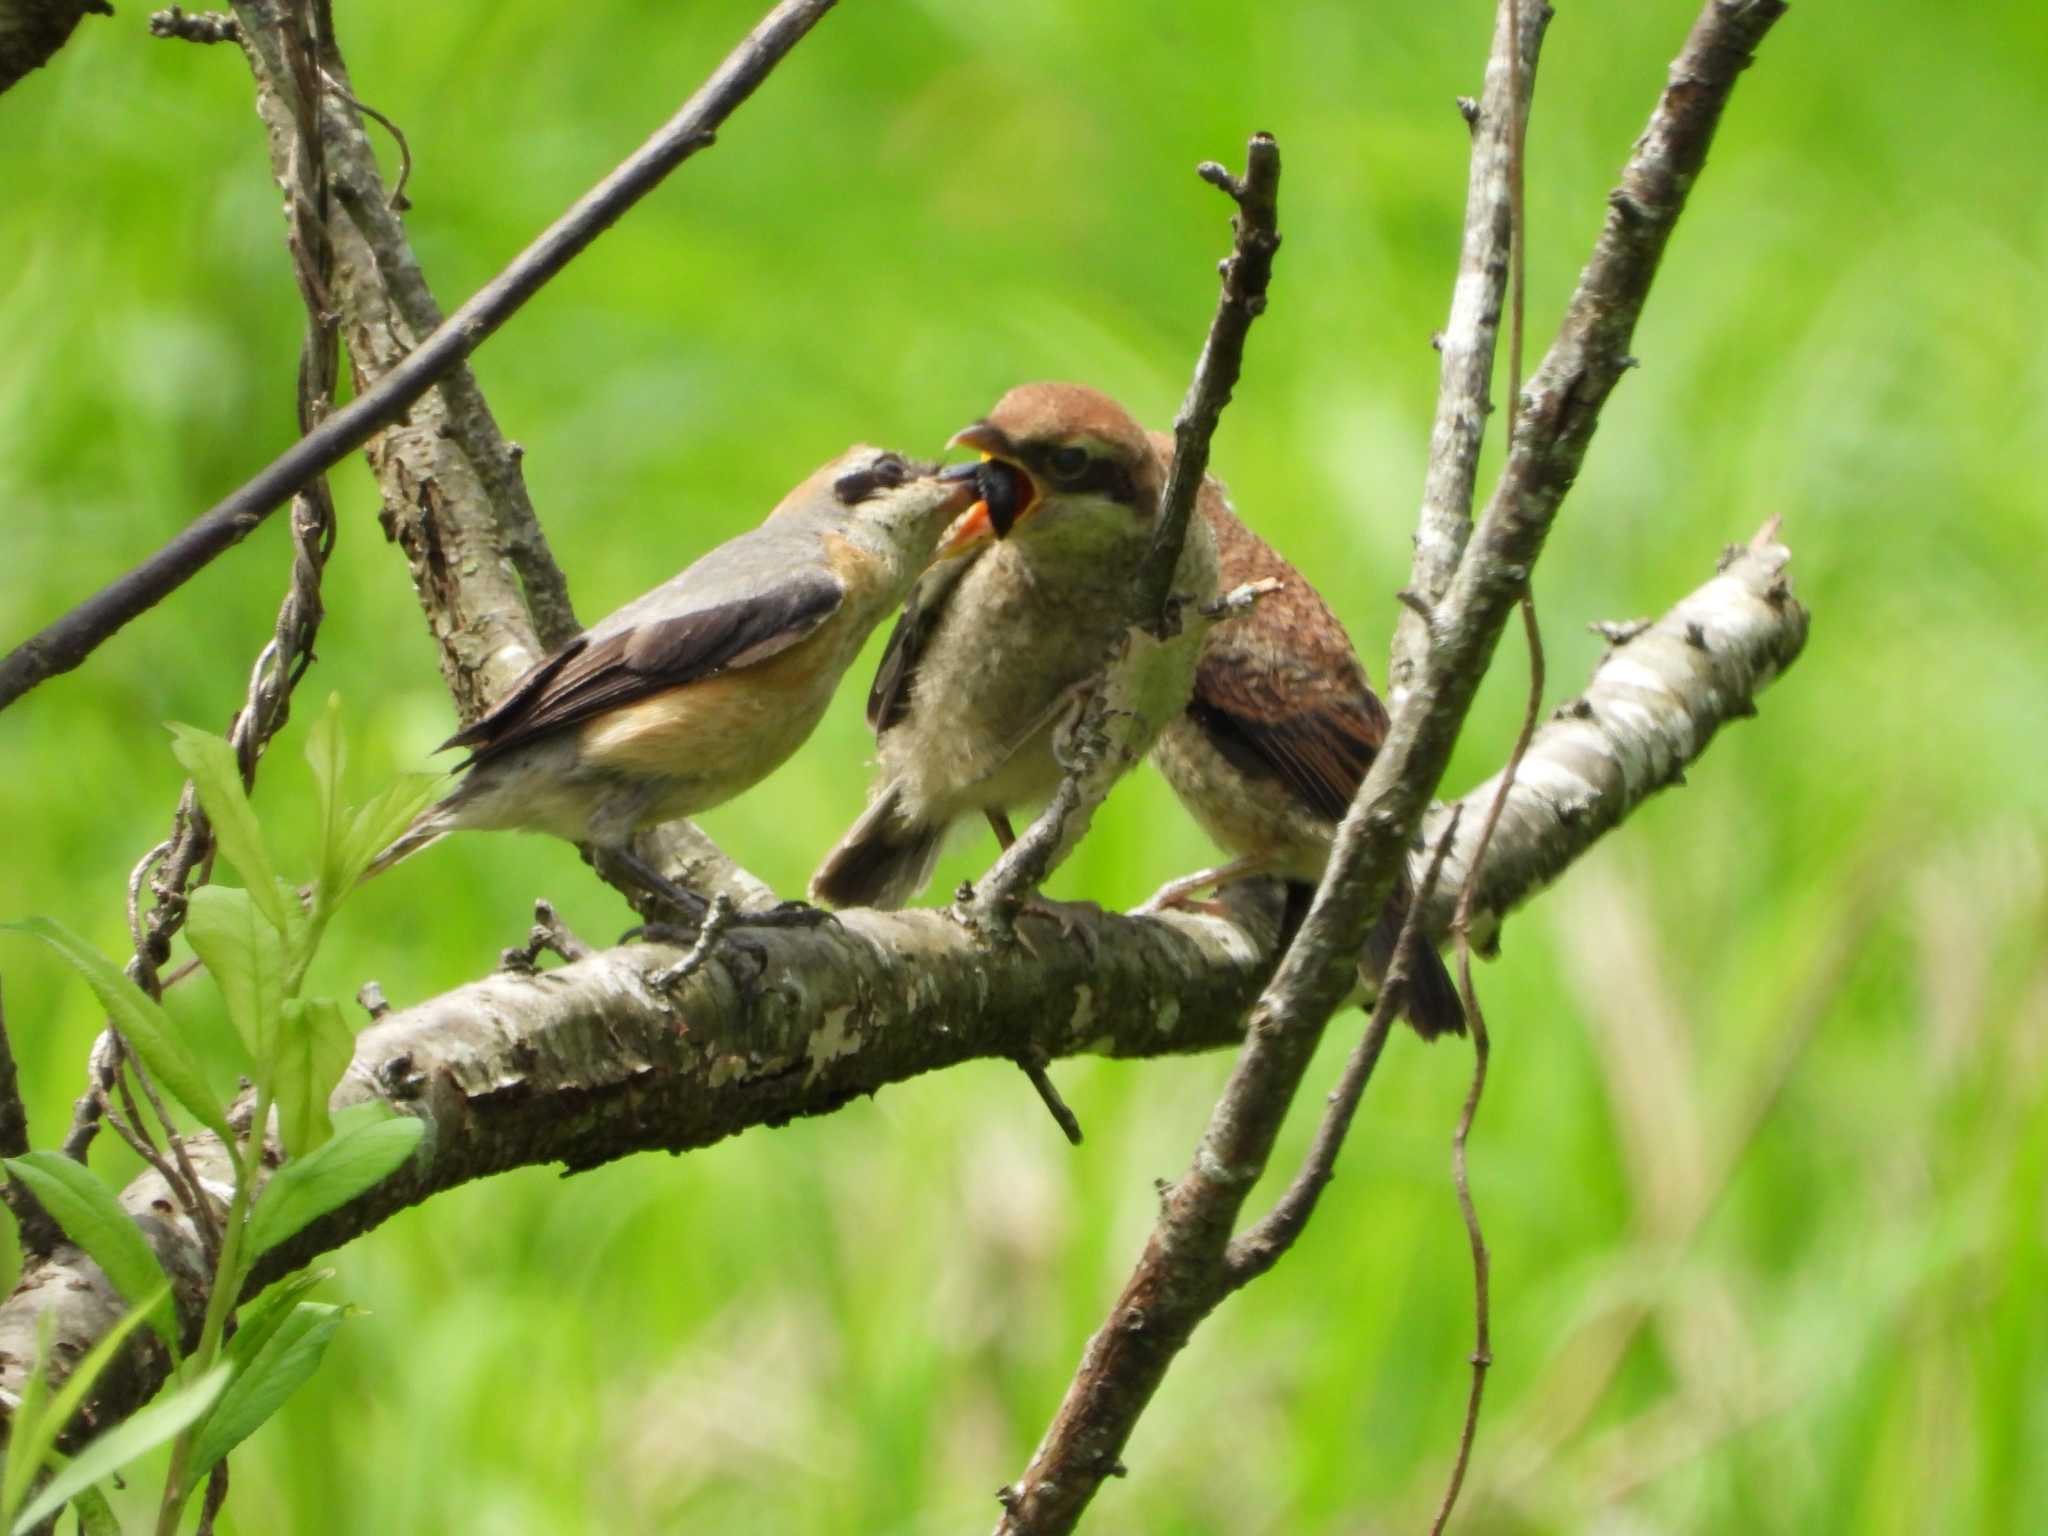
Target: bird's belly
[[699, 745], [1245, 817]]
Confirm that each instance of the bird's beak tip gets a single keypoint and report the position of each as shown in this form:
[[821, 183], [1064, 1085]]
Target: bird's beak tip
[[980, 436]]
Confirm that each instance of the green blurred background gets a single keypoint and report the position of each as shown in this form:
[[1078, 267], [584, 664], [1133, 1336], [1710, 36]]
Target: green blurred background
[[1764, 1161]]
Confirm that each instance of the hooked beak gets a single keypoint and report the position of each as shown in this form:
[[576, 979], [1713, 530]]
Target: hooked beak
[[1004, 499]]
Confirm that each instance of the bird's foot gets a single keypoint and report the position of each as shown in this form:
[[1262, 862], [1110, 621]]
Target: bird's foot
[[699, 944], [1069, 917], [1171, 900], [789, 914]]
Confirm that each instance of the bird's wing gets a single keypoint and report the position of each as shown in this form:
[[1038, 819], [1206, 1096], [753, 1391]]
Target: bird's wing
[[889, 698], [605, 668], [1289, 723]]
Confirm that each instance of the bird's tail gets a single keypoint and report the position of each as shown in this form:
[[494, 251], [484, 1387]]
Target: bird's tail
[[883, 861], [430, 826], [1431, 1003]]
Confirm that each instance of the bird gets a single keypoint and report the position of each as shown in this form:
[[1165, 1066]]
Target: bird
[[1020, 612], [696, 691], [1273, 745]]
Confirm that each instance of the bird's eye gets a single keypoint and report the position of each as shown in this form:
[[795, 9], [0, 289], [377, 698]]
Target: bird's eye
[[1069, 463]]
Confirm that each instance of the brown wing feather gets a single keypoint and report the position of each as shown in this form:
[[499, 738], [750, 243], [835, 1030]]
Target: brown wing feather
[[595, 673], [1319, 742]]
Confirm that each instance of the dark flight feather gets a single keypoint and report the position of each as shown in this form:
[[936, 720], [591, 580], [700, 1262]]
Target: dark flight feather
[[594, 673], [1320, 752]]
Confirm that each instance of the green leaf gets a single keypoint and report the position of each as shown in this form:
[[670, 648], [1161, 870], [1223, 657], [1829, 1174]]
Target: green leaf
[[314, 1047], [287, 1357], [261, 1318], [389, 813], [327, 753], [31, 1445], [218, 778], [311, 1186], [95, 1514], [137, 1435], [245, 956], [92, 1217], [140, 1018]]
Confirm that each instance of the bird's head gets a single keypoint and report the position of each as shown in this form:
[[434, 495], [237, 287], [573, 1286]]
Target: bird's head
[[894, 507], [1059, 461]]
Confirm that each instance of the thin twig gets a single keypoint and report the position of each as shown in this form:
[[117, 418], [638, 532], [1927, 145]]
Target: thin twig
[[1247, 274], [216, 1498], [1034, 1064], [1095, 763], [1467, 340], [39, 1234], [1260, 1246], [65, 643], [1482, 1051], [1461, 924], [396, 201]]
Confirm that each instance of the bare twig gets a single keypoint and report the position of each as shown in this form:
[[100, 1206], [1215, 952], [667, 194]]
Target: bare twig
[[1461, 924], [1034, 1064], [1261, 1245], [65, 643], [1482, 1050], [194, 26], [1181, 1277], [1247, 273], [39, 1234], [549, 935], [1467, 340], [215, 1500], [1099, 756]]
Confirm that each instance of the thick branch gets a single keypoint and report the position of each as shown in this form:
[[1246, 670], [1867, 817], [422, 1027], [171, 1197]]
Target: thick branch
[[454, 498], [67, 642], [588, 1064], [1466, 343]]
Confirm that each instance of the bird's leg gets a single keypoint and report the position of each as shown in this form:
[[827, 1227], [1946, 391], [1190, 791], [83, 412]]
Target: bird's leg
[[1175, 894], [683, 903], [999, 823]]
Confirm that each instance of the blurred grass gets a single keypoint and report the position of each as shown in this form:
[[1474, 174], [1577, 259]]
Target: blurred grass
[[1765, 1158]]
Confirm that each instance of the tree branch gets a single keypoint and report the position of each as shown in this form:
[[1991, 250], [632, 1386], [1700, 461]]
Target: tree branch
[[67, 642], [1183, 1273], [1108, 734], [1466, 343], [32, 30], [454, 498], [587, 1063]]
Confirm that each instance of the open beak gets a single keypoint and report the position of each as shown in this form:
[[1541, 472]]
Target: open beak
[[1005, 497]]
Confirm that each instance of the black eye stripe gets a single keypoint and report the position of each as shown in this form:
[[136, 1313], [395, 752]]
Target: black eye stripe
[[1099, 473]]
